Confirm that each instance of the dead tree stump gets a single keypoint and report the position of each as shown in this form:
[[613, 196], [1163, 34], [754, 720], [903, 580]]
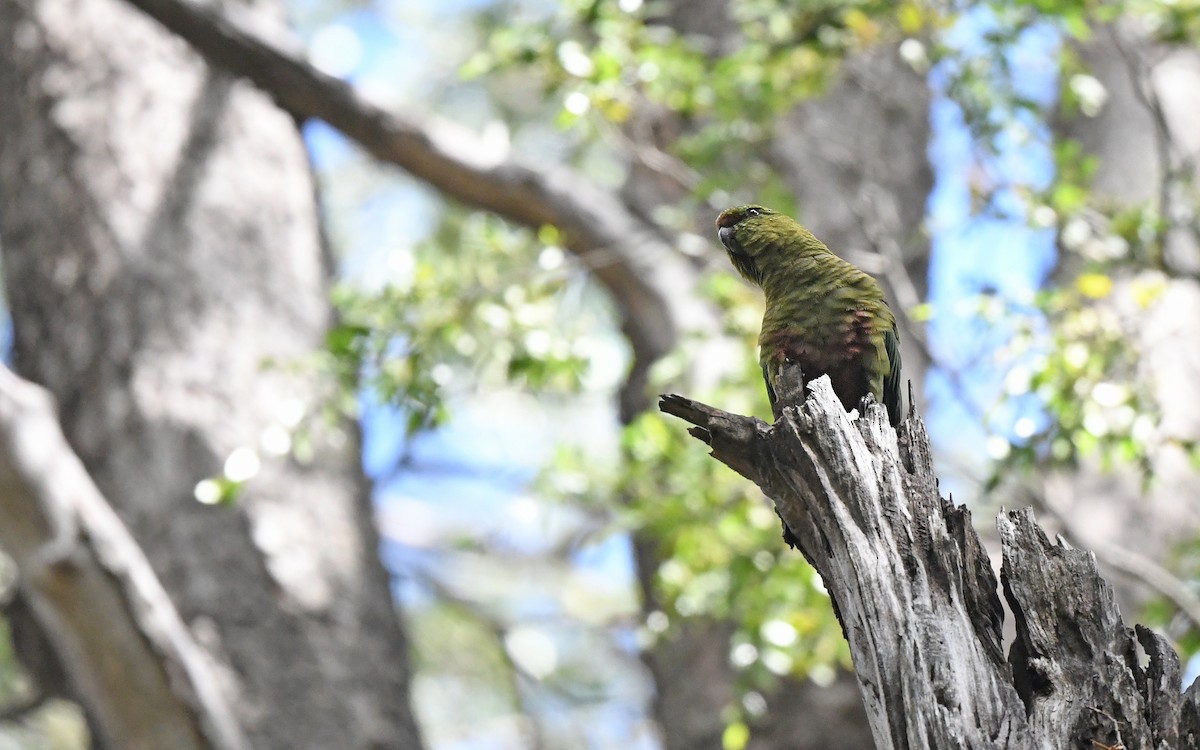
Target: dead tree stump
[[919, 604]]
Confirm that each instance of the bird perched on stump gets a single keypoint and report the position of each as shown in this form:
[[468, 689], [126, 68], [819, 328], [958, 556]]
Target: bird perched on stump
[[823, 313]]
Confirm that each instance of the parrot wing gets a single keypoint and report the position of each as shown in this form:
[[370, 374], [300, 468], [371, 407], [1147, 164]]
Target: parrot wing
[[891, 379]]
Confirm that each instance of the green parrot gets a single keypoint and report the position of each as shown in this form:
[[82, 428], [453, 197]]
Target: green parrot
[[822, 312]]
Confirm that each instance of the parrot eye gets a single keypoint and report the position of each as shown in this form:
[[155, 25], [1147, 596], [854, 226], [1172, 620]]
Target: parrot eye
[[753, 212]]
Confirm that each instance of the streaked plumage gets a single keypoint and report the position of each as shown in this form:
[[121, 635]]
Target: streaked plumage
[[822, 312]]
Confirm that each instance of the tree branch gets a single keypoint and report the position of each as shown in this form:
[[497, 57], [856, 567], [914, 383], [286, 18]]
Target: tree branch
[[650, 282], [128, 656], [917, 598]]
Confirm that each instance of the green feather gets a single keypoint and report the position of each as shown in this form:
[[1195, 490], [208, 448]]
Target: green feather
[[821, 311], [891, 379]]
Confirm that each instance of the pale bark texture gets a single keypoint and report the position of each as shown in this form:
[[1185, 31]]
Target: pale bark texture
[[90, 620], [918, 600], [166, 277]]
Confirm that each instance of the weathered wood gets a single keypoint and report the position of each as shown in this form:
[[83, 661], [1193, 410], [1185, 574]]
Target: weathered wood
[[128, 655], [918, 600]]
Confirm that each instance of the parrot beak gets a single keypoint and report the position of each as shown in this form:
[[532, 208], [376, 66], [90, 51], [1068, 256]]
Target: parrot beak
[[740, 258], [725, 234]]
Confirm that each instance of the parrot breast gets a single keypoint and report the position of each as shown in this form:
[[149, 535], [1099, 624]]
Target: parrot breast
[[842, 353], [822, 313]]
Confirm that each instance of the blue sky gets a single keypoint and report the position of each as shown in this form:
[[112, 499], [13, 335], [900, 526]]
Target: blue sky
[[973, 253]]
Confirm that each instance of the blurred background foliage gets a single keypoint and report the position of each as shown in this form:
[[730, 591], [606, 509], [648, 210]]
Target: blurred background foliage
[[482, 358], [476, 306]]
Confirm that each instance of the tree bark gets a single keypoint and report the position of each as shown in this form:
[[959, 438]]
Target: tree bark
[[917, 598], [89, 597], [165, 272]]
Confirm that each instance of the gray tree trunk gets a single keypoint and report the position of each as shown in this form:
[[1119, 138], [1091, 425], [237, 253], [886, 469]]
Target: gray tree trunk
[[165, 272], [917, 597]]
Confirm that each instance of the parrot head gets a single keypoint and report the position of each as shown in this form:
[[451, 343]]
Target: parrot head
[[757, 237], [741, 219]]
